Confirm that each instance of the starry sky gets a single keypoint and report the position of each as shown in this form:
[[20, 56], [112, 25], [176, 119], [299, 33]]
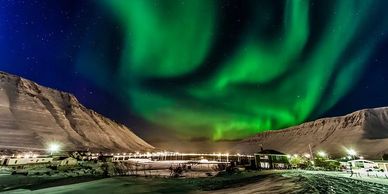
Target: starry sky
[[203, 71]]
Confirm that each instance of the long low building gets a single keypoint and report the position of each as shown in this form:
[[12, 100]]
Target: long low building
[[17, 161]]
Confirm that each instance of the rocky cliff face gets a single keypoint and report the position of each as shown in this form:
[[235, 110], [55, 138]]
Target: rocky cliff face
[[31, 116], [365, 131]]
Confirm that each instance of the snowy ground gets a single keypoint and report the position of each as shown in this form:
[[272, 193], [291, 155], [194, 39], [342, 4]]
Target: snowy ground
[[338, 182], [245, 182]]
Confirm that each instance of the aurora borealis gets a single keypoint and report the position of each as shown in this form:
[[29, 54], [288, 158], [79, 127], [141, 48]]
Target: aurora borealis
[[217, 70]]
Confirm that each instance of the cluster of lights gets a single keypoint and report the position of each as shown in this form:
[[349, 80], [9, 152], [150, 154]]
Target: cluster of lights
[[158, 154], [176, 153], [351, 153], [51, 147], [23, 155], [55, 147]]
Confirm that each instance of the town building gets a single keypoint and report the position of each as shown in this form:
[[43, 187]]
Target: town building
[[271, 159]]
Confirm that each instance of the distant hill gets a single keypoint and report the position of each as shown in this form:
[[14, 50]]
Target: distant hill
[[32, 116], [366, 131]]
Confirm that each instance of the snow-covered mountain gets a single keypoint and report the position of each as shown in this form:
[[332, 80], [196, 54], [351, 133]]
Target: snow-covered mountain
[[365, 131], [32, 116]]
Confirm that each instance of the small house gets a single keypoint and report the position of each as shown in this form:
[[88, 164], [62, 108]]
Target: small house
[[271, 159], [65, 161], [69, 162]]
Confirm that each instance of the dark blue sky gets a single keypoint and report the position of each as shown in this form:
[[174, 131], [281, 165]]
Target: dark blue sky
[[49, 42]]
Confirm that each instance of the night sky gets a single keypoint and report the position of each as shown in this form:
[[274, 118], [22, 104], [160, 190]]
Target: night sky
[[203, 70]]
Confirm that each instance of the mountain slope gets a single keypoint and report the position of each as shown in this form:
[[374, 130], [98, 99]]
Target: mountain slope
[[32, 116], [365, 131]]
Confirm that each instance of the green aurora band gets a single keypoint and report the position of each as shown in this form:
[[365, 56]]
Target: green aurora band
[[265, 84]]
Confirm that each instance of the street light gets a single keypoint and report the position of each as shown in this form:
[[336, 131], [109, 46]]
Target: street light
[[322, 154], [53, 148], [352, 153]]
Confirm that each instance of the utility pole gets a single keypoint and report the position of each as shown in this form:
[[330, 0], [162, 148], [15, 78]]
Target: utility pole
[[311, 152]]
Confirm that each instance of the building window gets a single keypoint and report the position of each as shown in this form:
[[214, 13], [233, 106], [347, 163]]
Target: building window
[[264, 164]]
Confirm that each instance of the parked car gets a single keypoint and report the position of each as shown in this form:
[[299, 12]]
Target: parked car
[[364, 165]]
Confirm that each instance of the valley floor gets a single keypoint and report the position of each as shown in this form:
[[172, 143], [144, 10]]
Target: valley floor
[[244, 182]]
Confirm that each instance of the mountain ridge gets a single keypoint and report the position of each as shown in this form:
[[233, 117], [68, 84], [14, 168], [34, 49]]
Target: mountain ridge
[[365, 130], [32, 114]]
